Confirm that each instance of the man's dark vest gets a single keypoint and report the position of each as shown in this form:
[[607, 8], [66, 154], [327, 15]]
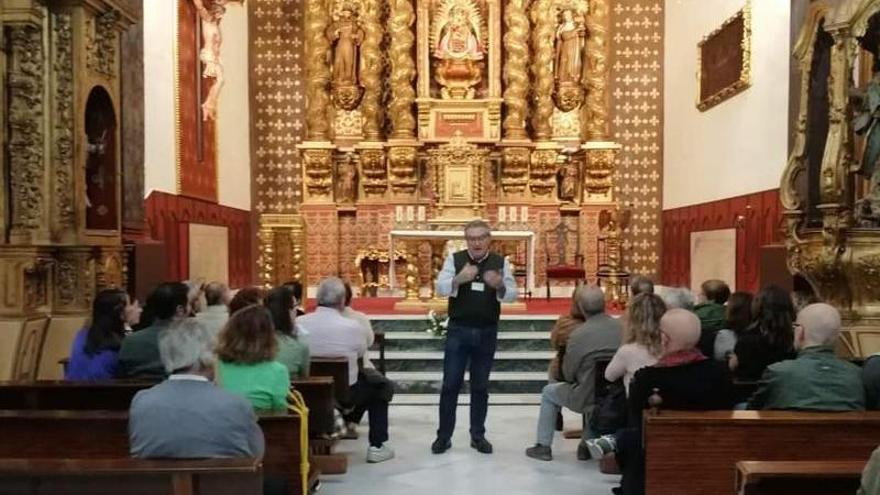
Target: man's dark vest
[[474, 308]]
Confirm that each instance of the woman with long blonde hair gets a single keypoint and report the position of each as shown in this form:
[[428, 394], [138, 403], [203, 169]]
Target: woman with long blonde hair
[[641, 338]]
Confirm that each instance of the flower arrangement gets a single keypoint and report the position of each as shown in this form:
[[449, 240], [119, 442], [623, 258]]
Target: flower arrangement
[[437, 324]]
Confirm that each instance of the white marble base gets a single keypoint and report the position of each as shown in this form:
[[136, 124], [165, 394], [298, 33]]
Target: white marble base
[[462, 470]]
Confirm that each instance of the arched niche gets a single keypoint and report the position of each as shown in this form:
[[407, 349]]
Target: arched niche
[[818, 105], [102, 187]]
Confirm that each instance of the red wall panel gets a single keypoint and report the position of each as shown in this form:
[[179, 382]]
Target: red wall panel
[[168, 219], [761, 214]]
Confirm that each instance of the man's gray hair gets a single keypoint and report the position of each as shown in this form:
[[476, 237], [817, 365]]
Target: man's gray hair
[[678, 297], [186, 345], [331, 293], [477, 224], [639, 284], [590, 299]]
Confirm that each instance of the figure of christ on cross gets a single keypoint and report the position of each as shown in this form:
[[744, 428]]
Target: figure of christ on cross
[[210, 53]]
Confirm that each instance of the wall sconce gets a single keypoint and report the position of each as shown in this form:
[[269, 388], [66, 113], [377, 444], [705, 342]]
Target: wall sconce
[[740, 220]]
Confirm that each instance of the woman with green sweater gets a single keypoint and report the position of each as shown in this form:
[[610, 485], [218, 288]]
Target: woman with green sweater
[[292, 352], [246, 351]]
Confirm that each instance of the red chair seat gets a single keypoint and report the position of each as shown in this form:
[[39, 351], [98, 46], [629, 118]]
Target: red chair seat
[[566, 271]]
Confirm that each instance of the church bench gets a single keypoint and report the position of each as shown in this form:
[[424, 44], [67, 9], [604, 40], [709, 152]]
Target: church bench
[[336, 368], [130, 476], [104, 434], [696, 452], [318, 392], [798, 477]]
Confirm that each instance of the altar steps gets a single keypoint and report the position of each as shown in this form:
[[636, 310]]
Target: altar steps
[[414, 359]]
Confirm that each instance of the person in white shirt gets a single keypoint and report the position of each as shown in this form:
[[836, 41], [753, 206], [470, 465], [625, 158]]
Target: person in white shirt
[[364, 322], [216, 313], [333, 335]]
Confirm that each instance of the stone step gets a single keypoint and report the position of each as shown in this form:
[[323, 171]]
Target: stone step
[[465, 399], [417, 323], [503, 382], [507, 341], [433, 360]]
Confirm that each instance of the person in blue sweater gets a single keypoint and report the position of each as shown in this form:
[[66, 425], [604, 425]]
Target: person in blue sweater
[[94, 354]]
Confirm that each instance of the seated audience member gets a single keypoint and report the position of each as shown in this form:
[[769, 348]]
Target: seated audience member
[[133, 313], [186, 416], [871, 379], [363, 320], [215, 314], [333, 335], [596, 339], [641, 348], [139, 353], [194, 296], [291, 352], [94, 354], [678, 298], [711, 312], [871, 475], [738, 318], [297, 289], [247, 296], [817, 380], [246, 350], [559, 334], [684, 379], [639, 284], [769, 339]]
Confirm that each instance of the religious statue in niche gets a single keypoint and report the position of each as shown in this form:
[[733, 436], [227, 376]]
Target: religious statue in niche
[[212, 39], [346, 180], [568, 64], [568, 180], [612, 224], [866, 110], [458, 47], [346, 35]]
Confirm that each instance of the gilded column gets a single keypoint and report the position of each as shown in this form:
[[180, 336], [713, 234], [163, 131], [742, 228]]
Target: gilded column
[[371, 71], [403, 70], [542, 67], [317, 49], [516, 77], [595, 112]]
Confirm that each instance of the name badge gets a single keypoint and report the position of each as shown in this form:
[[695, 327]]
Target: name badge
[[478, 286]]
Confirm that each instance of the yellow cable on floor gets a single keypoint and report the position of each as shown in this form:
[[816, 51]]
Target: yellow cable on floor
[[297, 405]]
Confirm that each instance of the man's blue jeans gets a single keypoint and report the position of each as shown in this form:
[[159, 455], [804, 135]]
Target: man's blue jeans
[[463, 345]]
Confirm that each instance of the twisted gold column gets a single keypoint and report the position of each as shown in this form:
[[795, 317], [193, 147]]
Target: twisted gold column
[[317, 48], [542, 67], [371, 71], [403, 70], [595, 112], [516, 77]]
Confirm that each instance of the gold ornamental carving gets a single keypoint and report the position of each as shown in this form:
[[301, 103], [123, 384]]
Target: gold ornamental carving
[[542, 176], [63, 143], [515, 170], [595, 113], [458, 46], [110, 268], [371, 71], [542, 68], [458, 168], [25, 120], [318, 165], [403, 70], [318, 74], [101, 43], [403, 170], [599, 171], [74, 280], [282, 241], [516, 76], [374, 172], [568, 64]]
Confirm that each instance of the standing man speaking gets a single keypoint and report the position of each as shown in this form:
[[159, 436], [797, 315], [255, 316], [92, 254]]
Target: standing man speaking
[[476, 281]]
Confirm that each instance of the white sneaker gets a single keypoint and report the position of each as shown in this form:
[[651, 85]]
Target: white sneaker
[[379, 454]]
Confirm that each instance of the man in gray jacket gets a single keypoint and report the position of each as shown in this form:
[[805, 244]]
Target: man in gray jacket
[[596, 340], [187, 416]]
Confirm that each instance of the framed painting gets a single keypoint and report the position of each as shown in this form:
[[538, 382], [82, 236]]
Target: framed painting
[[724, 60]]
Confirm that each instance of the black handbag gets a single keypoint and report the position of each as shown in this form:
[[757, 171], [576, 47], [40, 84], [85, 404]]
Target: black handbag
[[609, 415]]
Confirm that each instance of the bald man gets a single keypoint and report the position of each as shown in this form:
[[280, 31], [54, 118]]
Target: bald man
[[817, 380], [684, 378]]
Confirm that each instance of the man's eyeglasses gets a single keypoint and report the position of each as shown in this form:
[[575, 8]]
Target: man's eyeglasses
[[477, 238]]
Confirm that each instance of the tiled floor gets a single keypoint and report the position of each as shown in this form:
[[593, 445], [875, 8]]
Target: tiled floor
[[463, 471]]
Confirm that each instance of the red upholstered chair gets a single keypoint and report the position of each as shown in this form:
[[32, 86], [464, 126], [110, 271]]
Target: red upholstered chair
[[558, 269]]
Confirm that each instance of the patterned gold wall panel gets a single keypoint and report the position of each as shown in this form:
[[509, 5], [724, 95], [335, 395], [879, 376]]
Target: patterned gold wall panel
[[636, 89], [277, 103]]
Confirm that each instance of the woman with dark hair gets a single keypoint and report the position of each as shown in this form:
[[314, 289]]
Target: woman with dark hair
[[94, 354], [291, 352], [739, 317], [770, 337], [246, 351], [245, 297], [562, 329]]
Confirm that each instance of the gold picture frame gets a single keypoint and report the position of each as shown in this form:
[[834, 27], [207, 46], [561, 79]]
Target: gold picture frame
[[724, 56]]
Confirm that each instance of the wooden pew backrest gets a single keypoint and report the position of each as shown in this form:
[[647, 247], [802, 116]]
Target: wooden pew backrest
[[59, 337], [798, 477], [74, 396]]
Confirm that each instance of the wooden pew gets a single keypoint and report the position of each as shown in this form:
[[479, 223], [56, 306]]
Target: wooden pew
[[104, 435], [130, 476], [696, 452], [318, 392], [798, 477], [336, 368]]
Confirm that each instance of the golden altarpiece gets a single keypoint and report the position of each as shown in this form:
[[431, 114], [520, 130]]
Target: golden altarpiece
[[831, 187], [424, 114], [60, 113]]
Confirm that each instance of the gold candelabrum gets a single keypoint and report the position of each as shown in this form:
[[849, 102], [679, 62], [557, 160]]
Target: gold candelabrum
[[829, 186]]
